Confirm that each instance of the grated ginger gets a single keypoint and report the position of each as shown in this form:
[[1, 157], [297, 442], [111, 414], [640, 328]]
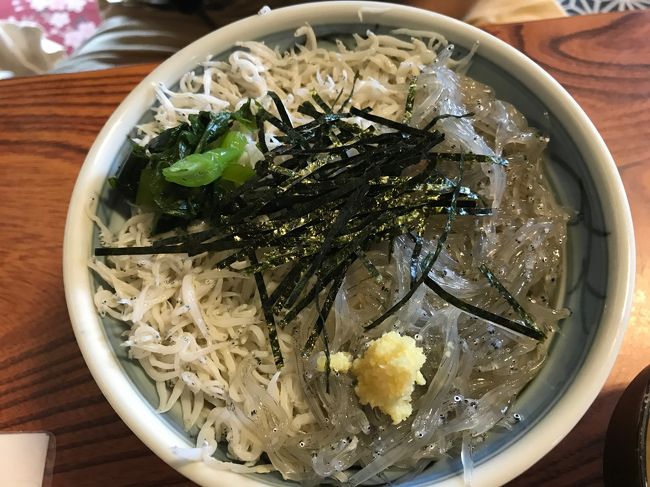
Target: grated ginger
[[339, 362], [387, 373]]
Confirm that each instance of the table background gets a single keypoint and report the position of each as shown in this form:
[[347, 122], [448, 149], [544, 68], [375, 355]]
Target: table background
[[47, 125]]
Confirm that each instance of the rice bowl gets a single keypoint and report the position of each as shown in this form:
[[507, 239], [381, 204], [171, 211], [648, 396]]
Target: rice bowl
[[457, 33]]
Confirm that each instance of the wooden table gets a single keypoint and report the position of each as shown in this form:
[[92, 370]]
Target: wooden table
[[47, 125]]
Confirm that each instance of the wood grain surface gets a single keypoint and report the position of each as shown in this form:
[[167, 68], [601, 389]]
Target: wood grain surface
[[48, 123]]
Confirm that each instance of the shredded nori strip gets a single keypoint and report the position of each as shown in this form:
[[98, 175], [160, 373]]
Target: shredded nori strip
[[514, 304], [410, 100], [349, 98], [268, 315], [417, 249], [436, 119], [261, 134], [283, 288], [320, 200], [323, 314], [483, 313], [404, 299], [391, 123], [328, 358], [429, 260], [368, 264], [281, 109]]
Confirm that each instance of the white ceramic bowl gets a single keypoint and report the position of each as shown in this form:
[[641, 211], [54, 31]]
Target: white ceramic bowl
[[600, 264]]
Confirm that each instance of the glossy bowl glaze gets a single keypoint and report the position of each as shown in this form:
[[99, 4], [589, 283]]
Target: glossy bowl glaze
[[599, 274]]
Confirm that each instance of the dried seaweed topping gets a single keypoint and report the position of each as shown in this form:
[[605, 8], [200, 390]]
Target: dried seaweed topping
[[320, 200]]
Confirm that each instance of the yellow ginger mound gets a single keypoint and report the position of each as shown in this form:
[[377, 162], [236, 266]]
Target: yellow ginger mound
[[339, 362], [387, 373]]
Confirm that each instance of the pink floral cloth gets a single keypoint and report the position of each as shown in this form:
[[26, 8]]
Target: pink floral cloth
[[68, 22]]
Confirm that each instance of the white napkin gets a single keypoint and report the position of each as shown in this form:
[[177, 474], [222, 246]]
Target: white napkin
[[23, 458], [24, 50]]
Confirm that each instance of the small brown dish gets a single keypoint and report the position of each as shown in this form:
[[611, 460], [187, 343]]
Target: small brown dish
[[626, 459]]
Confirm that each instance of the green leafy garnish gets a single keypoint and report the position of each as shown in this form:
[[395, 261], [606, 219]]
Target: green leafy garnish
[[200, 169], [237, 174], [173, 175], [245, 116]]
